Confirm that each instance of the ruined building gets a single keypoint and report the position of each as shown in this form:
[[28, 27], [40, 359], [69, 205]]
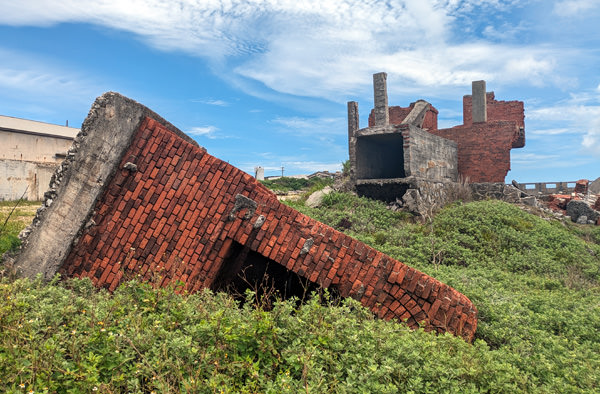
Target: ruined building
[[29, 154], [403, 144], [138, 198]]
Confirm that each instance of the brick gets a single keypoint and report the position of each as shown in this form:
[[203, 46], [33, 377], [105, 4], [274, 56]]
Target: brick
[[174, 211]]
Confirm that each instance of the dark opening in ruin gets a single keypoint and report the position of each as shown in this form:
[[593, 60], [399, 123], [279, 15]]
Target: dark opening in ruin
[[244, 269], [380, 157]]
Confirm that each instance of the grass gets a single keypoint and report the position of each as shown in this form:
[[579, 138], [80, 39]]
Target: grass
[[287, 184], [535, 282], [21, 214]]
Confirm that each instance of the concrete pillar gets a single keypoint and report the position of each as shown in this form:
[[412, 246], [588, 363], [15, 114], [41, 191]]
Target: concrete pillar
[[259, 173], [353, 126], [382, 116], [479, 102]]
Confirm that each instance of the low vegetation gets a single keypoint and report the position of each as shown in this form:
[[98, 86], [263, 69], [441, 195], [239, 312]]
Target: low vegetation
[[14, 216], [534, 280], [288, 184]]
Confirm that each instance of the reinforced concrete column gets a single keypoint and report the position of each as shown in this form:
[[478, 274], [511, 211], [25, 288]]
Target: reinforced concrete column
[[353, 125], [479, 103], [382, 116]]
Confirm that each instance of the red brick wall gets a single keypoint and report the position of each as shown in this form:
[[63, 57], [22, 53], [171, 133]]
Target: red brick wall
[[496, 110], [431, 119], [499, 111], [483, 149], [174, 220], [398, 114]]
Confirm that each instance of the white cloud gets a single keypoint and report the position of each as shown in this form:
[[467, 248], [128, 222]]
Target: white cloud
[[550, 131], [591, 140], [313, 48], [34, 76], [580, 114], [571, 8], [521, 157], [210, 101], [504, 31], [308, 126], [559, 160], [203, 131]]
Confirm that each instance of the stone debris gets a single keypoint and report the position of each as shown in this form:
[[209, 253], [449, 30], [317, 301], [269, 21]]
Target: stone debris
[[581, 206], [316, 198], [578, 209]]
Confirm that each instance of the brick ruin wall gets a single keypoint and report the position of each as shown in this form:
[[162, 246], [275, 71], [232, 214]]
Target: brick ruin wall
[[510, 111], [398, 114], [496, 110], [168, 211], [483, 149]]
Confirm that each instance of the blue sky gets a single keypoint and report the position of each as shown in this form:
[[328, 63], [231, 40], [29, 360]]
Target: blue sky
[[266, 82]]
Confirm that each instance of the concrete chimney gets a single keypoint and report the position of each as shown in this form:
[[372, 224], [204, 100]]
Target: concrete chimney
[[382, 116], [479, 106], [352, 117], [259, 173]]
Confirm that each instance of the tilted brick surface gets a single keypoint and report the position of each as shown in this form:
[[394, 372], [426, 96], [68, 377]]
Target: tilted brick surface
[[179, 216]]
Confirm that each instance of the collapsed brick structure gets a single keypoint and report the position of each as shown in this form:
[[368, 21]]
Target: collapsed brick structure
[[403, 144], [138, 197]]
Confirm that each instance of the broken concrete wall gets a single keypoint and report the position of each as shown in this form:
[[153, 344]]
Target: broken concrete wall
[[137, 198], [78, 183], [428, 156]]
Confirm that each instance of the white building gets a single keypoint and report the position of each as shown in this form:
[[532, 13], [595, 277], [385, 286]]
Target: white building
[[30, 151]]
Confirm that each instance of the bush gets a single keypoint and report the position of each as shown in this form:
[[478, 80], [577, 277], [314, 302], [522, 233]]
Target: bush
[[146, 340], [535, 283], [287, 184]]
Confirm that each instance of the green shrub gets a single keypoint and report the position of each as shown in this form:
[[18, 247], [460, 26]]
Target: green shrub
[[145, 340], [287, 184], [534, 282]]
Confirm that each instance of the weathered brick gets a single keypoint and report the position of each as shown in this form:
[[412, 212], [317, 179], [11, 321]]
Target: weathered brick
[[174, 214]]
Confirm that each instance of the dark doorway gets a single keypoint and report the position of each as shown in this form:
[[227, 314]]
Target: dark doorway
[[380, 156], [244, 269]]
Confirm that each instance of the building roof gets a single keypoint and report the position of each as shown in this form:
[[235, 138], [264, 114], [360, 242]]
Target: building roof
[[18, 125]]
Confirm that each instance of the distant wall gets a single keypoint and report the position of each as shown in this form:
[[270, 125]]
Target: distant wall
[[398, 114], [27, 162], [24, 179]]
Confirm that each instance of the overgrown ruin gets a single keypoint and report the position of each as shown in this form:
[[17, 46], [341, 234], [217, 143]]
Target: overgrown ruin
[[403, 147], [136, 197]]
